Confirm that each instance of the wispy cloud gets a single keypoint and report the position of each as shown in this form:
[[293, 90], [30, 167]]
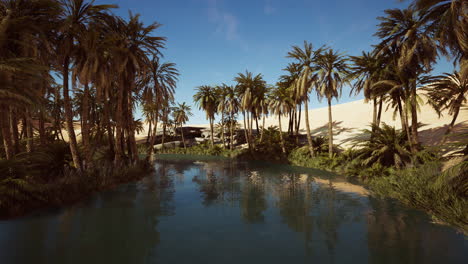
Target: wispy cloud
[[268, 8], [227, 23]]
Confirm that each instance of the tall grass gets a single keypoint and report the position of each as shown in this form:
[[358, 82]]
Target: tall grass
[[444, 194]]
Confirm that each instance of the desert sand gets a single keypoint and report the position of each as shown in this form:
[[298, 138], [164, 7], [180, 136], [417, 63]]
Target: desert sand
[[351, 118]]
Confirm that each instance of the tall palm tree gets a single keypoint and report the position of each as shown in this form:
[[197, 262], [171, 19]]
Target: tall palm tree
[[76, 16], [249, 88], [333, 73], [448, 92], [159, 87], [306, 59], [136, 43], [205, 98], [367, 70], [181, 115], [406, 34], [278, 104], [27, 29], [232, 107], [221, 92]]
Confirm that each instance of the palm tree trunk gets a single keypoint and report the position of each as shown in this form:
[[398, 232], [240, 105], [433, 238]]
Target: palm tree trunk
[[252, 138], [212, 132], [452, 124], [42, 136], [283, 149], [263, 128], [246, 129], [330, 129], [14, 130], [69, 116], [256, 123], [119, 150], [232, 132], [222, 129], [404, 124], [148, 137], [379, 115], [182, 134], [85, 125], [7, 143], [110, 132], [131, 126], [29, 132], [309, 137], [298, 123], [414, 117]]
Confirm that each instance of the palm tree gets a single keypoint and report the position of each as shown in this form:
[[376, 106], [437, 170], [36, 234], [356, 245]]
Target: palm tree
[[205, 98], [333, 73], [221, 93], [407, 36], [449, 20], [135, 43], [249, 89], [367, 70], [389, 147], [181, 115], [448, 92], [278, 104], [232, 107], [75, 18], [26, 31], [159, 87], [306, 59]]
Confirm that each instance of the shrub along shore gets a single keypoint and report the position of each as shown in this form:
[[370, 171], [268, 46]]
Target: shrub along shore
[[45, 179]]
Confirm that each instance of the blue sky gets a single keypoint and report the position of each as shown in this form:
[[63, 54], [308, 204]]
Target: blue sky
[[212, 40]]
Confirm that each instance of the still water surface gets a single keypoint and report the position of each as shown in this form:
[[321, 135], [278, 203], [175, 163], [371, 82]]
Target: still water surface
[[194, 210]]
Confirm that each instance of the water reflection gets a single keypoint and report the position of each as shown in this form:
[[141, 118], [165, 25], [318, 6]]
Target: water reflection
[[221, 211]]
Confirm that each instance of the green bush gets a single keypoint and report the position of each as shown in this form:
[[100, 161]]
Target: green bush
[[443, 194]]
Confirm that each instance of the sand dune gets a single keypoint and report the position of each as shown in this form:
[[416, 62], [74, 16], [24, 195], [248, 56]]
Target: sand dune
[[350, 118]]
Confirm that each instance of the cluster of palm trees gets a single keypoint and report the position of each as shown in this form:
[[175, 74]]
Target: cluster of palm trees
[[411, 40], [106, 65]]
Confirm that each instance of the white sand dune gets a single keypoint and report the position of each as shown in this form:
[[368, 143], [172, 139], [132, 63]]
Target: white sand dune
[[350, 118]]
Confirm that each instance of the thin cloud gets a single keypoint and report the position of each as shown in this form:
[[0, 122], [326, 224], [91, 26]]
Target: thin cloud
[[268, 8], [227, 23]]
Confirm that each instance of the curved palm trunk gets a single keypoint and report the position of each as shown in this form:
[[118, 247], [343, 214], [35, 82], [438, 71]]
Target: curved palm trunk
[[246, 129], [330, 129], [379, 115], [298, 123], [309, 137], [283, 149], [69, 116], [451, 125]]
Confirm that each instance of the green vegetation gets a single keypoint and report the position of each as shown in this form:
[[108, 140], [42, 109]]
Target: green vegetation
[[106, 66], [71, 75]]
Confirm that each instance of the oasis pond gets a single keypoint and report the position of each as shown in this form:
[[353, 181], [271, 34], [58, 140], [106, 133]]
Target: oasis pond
[[212, 210]]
